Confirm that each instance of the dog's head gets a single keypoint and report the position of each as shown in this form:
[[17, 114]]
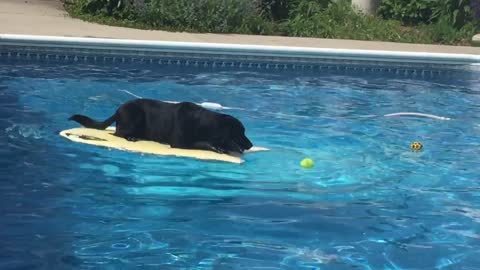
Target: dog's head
[[235, 139]]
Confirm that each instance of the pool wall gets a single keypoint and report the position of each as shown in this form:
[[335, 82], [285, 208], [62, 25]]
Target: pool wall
[[100, 50]]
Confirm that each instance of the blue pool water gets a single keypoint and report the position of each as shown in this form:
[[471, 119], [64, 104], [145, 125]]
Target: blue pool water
[[369, 202]]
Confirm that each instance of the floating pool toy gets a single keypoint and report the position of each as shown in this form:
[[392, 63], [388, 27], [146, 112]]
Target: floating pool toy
[[207, 105], [419, 115], [106, 138], [416, 146], [307, 163]]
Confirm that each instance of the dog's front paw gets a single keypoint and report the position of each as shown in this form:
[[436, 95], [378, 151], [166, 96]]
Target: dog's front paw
[[131, 139], [219, 150]]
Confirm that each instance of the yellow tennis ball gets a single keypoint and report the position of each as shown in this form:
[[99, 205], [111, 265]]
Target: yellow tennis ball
[[307, 163], [416, 146]]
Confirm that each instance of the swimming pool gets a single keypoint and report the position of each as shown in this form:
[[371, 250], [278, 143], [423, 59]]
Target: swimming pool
[[369, 202]]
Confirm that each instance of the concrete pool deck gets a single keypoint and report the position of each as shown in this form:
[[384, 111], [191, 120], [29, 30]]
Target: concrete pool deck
[[48, 17]]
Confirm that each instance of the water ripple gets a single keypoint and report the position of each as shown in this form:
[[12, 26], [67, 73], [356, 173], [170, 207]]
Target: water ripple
[[368, 203]]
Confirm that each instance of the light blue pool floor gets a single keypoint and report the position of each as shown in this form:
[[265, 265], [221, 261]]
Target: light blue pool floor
[[369, 202]]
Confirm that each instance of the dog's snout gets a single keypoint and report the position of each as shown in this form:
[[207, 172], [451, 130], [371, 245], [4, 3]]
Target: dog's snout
[[245, 142]]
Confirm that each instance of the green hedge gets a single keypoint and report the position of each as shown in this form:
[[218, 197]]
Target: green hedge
[[458, 13], [418, 21]]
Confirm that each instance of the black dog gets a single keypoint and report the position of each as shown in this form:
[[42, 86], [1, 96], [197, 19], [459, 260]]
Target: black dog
[[181, 125]]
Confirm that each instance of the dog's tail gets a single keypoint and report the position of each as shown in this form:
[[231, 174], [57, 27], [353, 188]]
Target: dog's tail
[[90, 123]]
